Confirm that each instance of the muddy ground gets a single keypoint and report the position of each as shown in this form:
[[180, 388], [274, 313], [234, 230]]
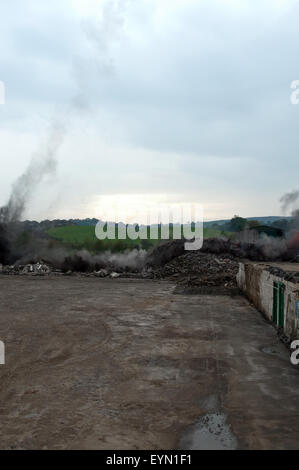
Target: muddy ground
[[127, 364]]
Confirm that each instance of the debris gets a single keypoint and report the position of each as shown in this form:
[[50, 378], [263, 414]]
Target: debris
[[196, 268], [291, 276], [101, 273], [37, 269], [114, 275]]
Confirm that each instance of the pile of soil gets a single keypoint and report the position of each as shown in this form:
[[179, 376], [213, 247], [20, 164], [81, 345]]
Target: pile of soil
[[197, 269]]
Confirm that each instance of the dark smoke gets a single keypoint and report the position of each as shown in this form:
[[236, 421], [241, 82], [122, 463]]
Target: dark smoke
[[4, 245], [265, 249], [289, 199], [83, 261]]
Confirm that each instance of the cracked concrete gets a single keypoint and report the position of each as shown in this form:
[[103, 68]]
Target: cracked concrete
[[126, 364]]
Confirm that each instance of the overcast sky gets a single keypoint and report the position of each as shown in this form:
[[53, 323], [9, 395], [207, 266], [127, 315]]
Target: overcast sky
[[162, 100]]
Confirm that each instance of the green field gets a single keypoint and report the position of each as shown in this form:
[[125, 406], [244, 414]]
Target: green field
[[83, 237]]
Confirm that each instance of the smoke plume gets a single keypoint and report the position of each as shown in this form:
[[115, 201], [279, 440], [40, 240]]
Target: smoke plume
[[43, 163], [288, 199]]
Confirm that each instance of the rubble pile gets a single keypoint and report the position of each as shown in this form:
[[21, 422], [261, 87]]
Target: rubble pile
[[291, 276], [42, 269], [196, 269], [143, 274], [104, 273], [37, 269]]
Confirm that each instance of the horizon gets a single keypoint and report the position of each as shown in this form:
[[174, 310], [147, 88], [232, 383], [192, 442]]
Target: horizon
[[120, 221]]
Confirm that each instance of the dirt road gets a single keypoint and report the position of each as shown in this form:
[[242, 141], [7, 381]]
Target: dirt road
[[127, 364]]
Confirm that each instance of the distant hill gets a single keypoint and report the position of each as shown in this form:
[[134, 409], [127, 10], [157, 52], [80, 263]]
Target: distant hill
[[48, 224], [263, 220]]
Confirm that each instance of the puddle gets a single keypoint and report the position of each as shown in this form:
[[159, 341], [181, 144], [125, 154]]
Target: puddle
[[211, 432]]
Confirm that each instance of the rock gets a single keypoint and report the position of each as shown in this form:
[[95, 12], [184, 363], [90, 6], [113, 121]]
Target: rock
[[101, 273], [114, 275], [38, 268]]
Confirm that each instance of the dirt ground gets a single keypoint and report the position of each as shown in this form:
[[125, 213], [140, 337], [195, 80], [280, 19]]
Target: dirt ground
[[127, 364]]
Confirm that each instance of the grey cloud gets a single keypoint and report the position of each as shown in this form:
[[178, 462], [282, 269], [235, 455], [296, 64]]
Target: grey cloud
[[204, 81]]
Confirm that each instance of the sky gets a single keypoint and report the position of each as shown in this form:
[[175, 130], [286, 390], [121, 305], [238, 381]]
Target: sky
[[161, 101]]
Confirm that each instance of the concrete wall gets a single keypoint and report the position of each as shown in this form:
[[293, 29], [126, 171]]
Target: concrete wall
[[257, 283]]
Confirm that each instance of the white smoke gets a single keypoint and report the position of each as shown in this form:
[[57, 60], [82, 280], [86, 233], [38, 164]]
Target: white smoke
[[102, 32], [43, 163]]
